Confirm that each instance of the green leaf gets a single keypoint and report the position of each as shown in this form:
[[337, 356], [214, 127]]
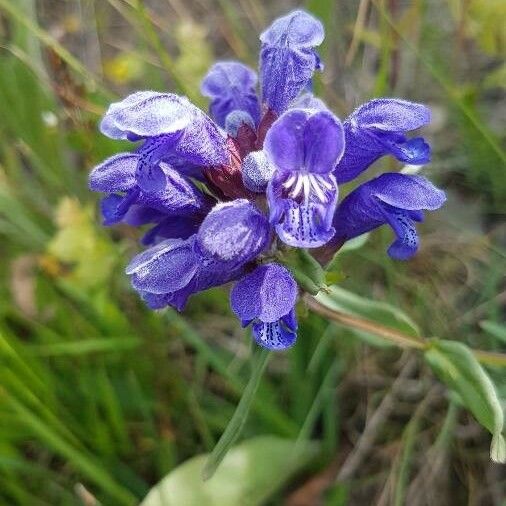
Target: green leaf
[[339, 299], [454, 363], [250, 473], [494, 329], [310, 266], [355, 243]]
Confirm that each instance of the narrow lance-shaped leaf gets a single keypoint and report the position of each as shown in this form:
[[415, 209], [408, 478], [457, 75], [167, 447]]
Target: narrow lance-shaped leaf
[[457, 367], [339, 299]]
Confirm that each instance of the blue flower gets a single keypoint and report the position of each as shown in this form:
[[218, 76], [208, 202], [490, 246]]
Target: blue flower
[[304, 145], [230, 236], [218, 191], [288, 59], [266, 298], [378, 128], [179, 199], [394, 199], [231, 87], [170, 126]]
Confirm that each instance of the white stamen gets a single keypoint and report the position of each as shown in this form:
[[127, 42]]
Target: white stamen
[[298, 186], [289, 182], [315, 183], [307, 187]]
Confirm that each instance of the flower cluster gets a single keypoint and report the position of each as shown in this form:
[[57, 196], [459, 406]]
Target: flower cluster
[[225, 192]]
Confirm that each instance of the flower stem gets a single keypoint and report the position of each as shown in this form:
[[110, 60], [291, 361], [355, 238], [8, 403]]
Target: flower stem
[[394, 336], [236, 424]]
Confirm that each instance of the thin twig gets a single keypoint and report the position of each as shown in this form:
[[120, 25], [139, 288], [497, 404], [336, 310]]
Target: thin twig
[[373, 426], [357, 32], [392, 335]]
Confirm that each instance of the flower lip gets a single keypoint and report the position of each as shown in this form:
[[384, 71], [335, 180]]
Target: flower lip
[[298, 28], [266, 294], [147, 114], [305, 140]]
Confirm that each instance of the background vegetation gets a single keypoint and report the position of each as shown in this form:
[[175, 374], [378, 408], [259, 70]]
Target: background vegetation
[[100, 398]]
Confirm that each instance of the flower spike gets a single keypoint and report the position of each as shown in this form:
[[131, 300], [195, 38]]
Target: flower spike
[[221, 193]]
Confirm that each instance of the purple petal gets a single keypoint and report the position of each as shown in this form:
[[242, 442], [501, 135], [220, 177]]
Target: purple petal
[[257, 171], [164, 268], [188, 132], [323, 142], [266, 294], [284, 142], [148, 114], [210, 273], [150, 174], [298, 29], [287, 58], [396, 199], [278, 335], [301, 208], [307, 140], [391, 115], [234, 232], [116, 174], [304, 226], [179, 195], [376, 129], [407, 192], [231, 87], [406, 244], [413, 152]]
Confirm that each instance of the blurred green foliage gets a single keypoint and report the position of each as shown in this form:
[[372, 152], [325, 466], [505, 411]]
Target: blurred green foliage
[[101, 398]]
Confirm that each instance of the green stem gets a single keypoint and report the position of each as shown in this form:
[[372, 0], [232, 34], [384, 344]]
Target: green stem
[[236, 424], [394, 336]]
